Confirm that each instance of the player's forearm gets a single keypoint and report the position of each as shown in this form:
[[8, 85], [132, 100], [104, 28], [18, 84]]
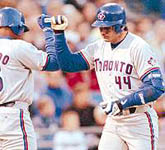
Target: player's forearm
[[151, 90], [52, 64], [141, 97], [68, 61]]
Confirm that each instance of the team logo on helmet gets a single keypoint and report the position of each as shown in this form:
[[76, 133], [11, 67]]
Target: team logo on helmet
[[101, 16]]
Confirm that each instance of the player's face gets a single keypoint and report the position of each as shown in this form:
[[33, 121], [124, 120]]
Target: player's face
[[109, 34]]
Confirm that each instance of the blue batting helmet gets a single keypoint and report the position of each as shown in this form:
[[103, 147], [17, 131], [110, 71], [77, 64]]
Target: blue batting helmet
[[110, 14], [14, 19]]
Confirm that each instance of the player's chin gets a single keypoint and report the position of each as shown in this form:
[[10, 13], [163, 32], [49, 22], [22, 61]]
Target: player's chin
[[106, 39]]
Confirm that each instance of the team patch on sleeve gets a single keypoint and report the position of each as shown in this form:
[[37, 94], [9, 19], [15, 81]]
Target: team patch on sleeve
[[152, 61]]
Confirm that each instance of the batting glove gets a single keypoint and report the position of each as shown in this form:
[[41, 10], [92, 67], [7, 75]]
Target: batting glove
[[111, 108], [59, 22], [43, 23]]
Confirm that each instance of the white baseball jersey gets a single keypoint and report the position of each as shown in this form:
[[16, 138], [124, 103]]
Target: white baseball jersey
[[119, 71], [17, 60]]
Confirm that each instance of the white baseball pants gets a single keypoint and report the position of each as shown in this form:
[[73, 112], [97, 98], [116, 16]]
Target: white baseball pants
[[138, 131], [16, 129]]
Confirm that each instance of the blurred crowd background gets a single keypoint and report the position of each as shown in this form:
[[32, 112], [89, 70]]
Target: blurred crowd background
[[65, 110]]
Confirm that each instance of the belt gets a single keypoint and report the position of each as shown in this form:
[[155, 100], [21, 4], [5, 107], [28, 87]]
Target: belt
[[133, 110], [16, 104], [128, 111], [8, 104]]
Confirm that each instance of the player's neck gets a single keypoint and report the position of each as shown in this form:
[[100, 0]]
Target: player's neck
[[7, 33]]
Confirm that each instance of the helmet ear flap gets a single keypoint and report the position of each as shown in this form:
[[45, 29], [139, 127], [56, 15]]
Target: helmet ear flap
[[118, 28], [18, 30]]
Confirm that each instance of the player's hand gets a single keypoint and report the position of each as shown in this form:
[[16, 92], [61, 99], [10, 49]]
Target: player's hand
[[43, 23], [111, 108], [59, 22]]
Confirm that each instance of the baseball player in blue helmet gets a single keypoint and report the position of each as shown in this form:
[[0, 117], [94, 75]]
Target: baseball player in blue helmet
[[128, 74], [111, 15], [18, 59], [12, 18]]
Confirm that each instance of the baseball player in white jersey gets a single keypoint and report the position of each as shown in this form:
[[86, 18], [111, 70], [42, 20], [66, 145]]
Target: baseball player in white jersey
[[17, 60], [129, 77]]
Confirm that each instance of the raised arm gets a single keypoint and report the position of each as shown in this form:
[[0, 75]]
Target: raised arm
[[68, 61], [52, 63]]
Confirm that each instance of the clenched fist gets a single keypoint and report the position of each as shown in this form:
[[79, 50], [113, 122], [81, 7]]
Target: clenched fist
[[41, 21], [59, 22]]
